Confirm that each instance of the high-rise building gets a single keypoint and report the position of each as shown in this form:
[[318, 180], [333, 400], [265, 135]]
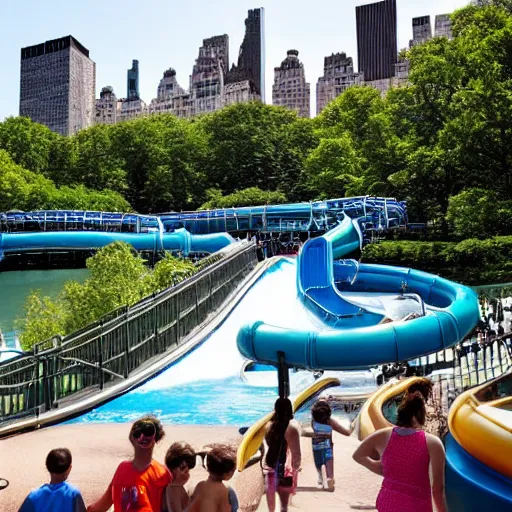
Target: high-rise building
[[208, 73], [106, 107], [338, 76], [132, 82], [171, 97], [377, 39], [421, 30], [443, 26], [290, 88], [251, 59], [57, 85]]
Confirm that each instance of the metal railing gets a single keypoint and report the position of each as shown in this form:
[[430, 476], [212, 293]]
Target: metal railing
[[116, 346]]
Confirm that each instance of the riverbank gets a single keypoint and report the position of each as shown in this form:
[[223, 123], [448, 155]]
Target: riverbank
[[98, 448]]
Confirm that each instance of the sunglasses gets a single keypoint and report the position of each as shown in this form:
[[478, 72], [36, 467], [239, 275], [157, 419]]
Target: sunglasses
[[146, 430]]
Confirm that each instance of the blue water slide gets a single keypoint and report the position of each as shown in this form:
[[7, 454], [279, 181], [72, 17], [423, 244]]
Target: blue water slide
[[472, 486], [155, 241], [352, 299]]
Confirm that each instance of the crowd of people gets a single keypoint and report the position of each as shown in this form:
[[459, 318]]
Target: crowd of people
[[404, 455]]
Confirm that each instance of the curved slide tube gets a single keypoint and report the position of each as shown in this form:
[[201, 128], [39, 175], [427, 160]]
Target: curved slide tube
[[157, 241], [371, 417], [254, 437], [346, 297], [479, 448]]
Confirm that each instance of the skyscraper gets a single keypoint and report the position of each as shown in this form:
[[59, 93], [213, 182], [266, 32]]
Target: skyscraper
[[57, 85], [338, 76], [290, 88], [132, 82], [251, 59], [421, 30], [208, 73], [443, 26], [377, 39]]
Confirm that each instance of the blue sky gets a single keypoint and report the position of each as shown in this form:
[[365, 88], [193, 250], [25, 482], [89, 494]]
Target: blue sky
[[167, 33]]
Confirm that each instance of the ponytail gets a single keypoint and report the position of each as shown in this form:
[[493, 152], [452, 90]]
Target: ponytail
[[412, 406]]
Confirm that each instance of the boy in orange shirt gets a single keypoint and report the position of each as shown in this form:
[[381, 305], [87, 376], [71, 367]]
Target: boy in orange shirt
[[138, 484]]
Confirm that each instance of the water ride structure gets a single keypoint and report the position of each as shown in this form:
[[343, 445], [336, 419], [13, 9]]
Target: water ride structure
[[368, 315]]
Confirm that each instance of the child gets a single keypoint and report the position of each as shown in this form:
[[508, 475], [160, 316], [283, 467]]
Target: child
[[212, 495], [179, 459], [323, 425], [58, 494], [138, 484]]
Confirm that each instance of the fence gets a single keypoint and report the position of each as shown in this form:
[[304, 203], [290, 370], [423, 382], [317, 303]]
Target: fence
[[118, 344]]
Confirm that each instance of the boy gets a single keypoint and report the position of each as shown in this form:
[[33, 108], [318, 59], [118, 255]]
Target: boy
[[138, 484], [58, 494], [212, 495]]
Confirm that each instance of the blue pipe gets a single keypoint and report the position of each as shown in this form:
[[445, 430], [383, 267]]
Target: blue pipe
[[54, 241]]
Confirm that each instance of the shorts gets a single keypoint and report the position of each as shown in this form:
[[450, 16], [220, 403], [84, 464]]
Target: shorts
[[322, 456]]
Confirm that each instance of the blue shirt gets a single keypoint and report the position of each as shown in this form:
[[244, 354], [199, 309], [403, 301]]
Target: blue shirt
[[62, 497], [321, 442]]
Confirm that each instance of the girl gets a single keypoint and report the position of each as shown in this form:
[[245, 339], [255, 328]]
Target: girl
[[282, 461], [406, 454], [323, 425]]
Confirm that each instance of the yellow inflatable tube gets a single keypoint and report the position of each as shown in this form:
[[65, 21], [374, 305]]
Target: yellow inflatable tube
[[371, 418], [484, 429], [253, 438]]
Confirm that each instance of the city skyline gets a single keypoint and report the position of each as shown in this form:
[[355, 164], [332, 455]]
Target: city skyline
[[113, 54]]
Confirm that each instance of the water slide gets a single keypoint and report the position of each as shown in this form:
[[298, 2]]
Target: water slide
[[352, 299], [479, 448], [155, 241]]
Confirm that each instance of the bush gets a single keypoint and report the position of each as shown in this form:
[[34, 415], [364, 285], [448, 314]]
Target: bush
[[252, 196], [118, 277], [471, 261]]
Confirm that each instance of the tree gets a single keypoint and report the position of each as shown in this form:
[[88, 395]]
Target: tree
[[333, 169], [28, 144], [252, 196]]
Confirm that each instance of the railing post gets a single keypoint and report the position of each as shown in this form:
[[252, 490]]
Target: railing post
[[126, 347], [100, 363]]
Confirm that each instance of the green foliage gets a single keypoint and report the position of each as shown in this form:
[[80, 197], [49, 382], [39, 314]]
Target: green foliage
[[479, 212], [448, 131], [117, 277], [252, 196], [25, 190], [471, 261]]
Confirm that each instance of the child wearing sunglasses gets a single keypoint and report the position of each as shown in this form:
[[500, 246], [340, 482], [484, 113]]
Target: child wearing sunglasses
[[212, 495], [138, 484], [179, 459]]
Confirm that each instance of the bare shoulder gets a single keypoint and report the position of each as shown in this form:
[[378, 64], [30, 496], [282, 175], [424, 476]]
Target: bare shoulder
[[434, 443], [294, 425]]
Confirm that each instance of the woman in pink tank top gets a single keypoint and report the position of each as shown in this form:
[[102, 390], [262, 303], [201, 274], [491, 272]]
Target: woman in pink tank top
[[403, 455]]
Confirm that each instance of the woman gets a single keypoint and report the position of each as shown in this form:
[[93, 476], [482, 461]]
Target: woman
[[404, 456], [282, 461]]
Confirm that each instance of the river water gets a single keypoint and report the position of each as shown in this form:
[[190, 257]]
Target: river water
[[16, 286]]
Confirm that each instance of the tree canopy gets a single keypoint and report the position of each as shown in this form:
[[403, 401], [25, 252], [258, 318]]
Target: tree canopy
[[449, 130]]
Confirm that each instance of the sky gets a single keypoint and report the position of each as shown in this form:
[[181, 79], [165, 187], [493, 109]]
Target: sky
[[168, 33]]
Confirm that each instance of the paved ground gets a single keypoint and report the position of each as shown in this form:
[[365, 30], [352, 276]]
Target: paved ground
[[98, 449]]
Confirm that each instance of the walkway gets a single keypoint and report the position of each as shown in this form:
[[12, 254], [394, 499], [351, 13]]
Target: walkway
[[98, 449]]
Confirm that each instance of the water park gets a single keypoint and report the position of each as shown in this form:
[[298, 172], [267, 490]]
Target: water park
[[280, 307]]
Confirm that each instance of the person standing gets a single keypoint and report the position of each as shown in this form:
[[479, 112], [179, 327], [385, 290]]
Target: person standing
[[406, 455], [138, 484], [283, 456]]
